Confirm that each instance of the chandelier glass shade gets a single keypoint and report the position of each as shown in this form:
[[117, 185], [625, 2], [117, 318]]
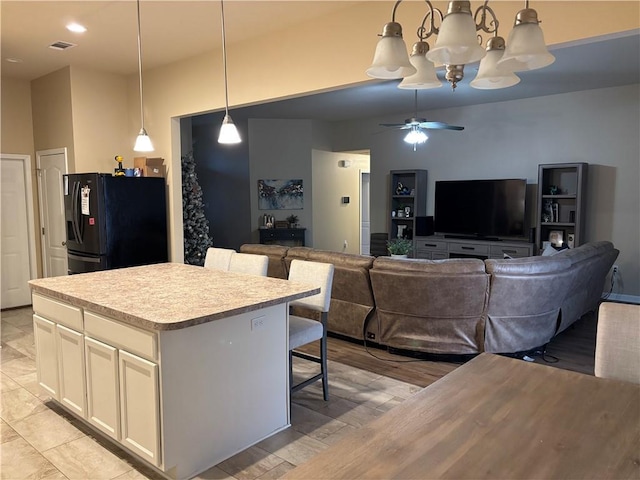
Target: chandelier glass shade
[[390, 59], [458, 44], [490, 75], [526, 49], [425, 76]]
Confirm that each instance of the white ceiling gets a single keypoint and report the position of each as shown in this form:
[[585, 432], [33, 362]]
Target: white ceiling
[[178, 29]]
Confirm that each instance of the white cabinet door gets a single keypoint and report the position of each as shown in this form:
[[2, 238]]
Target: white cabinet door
[[139, 406], [103, 409], [71, 368], [46, 355]]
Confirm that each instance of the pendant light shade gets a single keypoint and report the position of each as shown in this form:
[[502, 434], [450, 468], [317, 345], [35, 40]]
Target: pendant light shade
[[526, 49], [425, 76], [457, 41], [228, 131], [490, 76], [143, 142], [390, 59]]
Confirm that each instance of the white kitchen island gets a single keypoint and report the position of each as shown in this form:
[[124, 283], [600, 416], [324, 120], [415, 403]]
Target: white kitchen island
[[180, 365]]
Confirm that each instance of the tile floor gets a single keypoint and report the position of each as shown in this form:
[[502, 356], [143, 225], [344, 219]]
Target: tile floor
[[41, 441]]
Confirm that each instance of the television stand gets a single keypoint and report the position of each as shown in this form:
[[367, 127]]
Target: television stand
[[473, 237], [438, 247]]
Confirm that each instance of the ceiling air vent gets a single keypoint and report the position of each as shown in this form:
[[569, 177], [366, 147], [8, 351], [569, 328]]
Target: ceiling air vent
[[60, 45]]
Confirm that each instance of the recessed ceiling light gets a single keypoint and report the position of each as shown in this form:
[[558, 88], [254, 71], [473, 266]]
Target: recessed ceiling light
[[14, 60], [76, 28]]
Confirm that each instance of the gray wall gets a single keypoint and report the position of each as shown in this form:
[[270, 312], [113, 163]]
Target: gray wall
[[510, 139], [280, 150]]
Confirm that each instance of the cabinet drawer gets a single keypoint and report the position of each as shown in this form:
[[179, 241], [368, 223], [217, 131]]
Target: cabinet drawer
[[430, 245], [469, 248], [511, 250], [58, 312], [114, 333]]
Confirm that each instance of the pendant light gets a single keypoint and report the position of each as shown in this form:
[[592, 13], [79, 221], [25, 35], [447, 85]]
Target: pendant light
[[228, 131], [143, 142]]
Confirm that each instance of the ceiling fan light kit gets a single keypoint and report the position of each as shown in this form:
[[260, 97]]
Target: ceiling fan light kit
[[458, 44]]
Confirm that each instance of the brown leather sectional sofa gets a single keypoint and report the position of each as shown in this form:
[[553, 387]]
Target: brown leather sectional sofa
[[456, 306]]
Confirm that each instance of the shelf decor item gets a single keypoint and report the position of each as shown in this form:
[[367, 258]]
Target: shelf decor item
[[399, 247], [556, 237], [293, 221]]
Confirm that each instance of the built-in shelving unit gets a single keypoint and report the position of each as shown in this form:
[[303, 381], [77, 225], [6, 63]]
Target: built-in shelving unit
[[561, 204], [408, 200]]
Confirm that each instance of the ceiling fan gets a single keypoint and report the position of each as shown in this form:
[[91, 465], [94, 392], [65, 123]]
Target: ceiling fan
[[416, 126]]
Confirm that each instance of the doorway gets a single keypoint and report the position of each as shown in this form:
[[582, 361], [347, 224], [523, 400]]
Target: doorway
[[52, 164], [18, 251]]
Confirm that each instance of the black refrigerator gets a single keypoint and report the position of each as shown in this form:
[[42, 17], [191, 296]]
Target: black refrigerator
[[114, 222]]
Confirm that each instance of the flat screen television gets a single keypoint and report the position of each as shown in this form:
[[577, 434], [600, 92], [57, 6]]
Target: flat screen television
[[481, 208]]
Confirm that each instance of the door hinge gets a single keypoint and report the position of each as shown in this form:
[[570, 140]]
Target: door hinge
[[42, 230]]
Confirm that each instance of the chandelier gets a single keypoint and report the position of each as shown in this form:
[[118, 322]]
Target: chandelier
[[458, 44]]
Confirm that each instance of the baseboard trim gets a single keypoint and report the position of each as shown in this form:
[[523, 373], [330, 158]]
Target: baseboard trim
[[621, 297]]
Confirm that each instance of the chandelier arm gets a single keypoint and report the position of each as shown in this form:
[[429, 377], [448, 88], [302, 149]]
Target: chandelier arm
[[395, 7], [482, 23], [423, 33], [224, 60]]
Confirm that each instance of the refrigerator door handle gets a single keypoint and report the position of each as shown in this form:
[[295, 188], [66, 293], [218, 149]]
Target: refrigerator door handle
[[76, 205], [81, 258]]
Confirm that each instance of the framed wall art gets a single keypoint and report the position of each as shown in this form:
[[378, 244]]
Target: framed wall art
[[280, 194]]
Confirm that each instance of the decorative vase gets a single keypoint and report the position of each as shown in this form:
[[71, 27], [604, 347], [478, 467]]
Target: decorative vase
[[395, 255]]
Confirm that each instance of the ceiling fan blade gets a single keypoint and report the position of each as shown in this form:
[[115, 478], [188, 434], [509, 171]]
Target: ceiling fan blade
[[392, 124], [439, 126]]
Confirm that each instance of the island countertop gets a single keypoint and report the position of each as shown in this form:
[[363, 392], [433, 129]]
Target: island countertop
[[170, 296]]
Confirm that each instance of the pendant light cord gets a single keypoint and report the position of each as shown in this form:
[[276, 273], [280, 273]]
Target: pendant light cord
[[140, 67], [224, 61]]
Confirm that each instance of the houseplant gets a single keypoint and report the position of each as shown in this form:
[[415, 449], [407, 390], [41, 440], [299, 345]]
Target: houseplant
[[399, 247], [293, 221]]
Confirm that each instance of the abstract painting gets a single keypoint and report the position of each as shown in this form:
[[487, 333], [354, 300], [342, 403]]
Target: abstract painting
[[280, 194]]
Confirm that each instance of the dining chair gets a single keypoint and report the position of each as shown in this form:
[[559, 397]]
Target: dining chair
[[304, 330], [218, 258], [618, 342], [249, 263]]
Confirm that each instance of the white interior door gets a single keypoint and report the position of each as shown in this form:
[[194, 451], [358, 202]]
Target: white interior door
[[52, 164], [18, 251]]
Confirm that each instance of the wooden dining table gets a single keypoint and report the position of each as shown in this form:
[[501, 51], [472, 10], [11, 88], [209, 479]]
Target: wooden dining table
[[499, 418]]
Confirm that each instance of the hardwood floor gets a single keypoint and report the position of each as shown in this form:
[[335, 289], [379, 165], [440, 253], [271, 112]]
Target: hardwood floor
[[39, 440], [573, 349]]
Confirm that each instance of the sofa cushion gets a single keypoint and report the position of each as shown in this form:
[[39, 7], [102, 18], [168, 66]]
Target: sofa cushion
[[431, 306], [450, 266], [590, 264], [276, 253], [524, 302]]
